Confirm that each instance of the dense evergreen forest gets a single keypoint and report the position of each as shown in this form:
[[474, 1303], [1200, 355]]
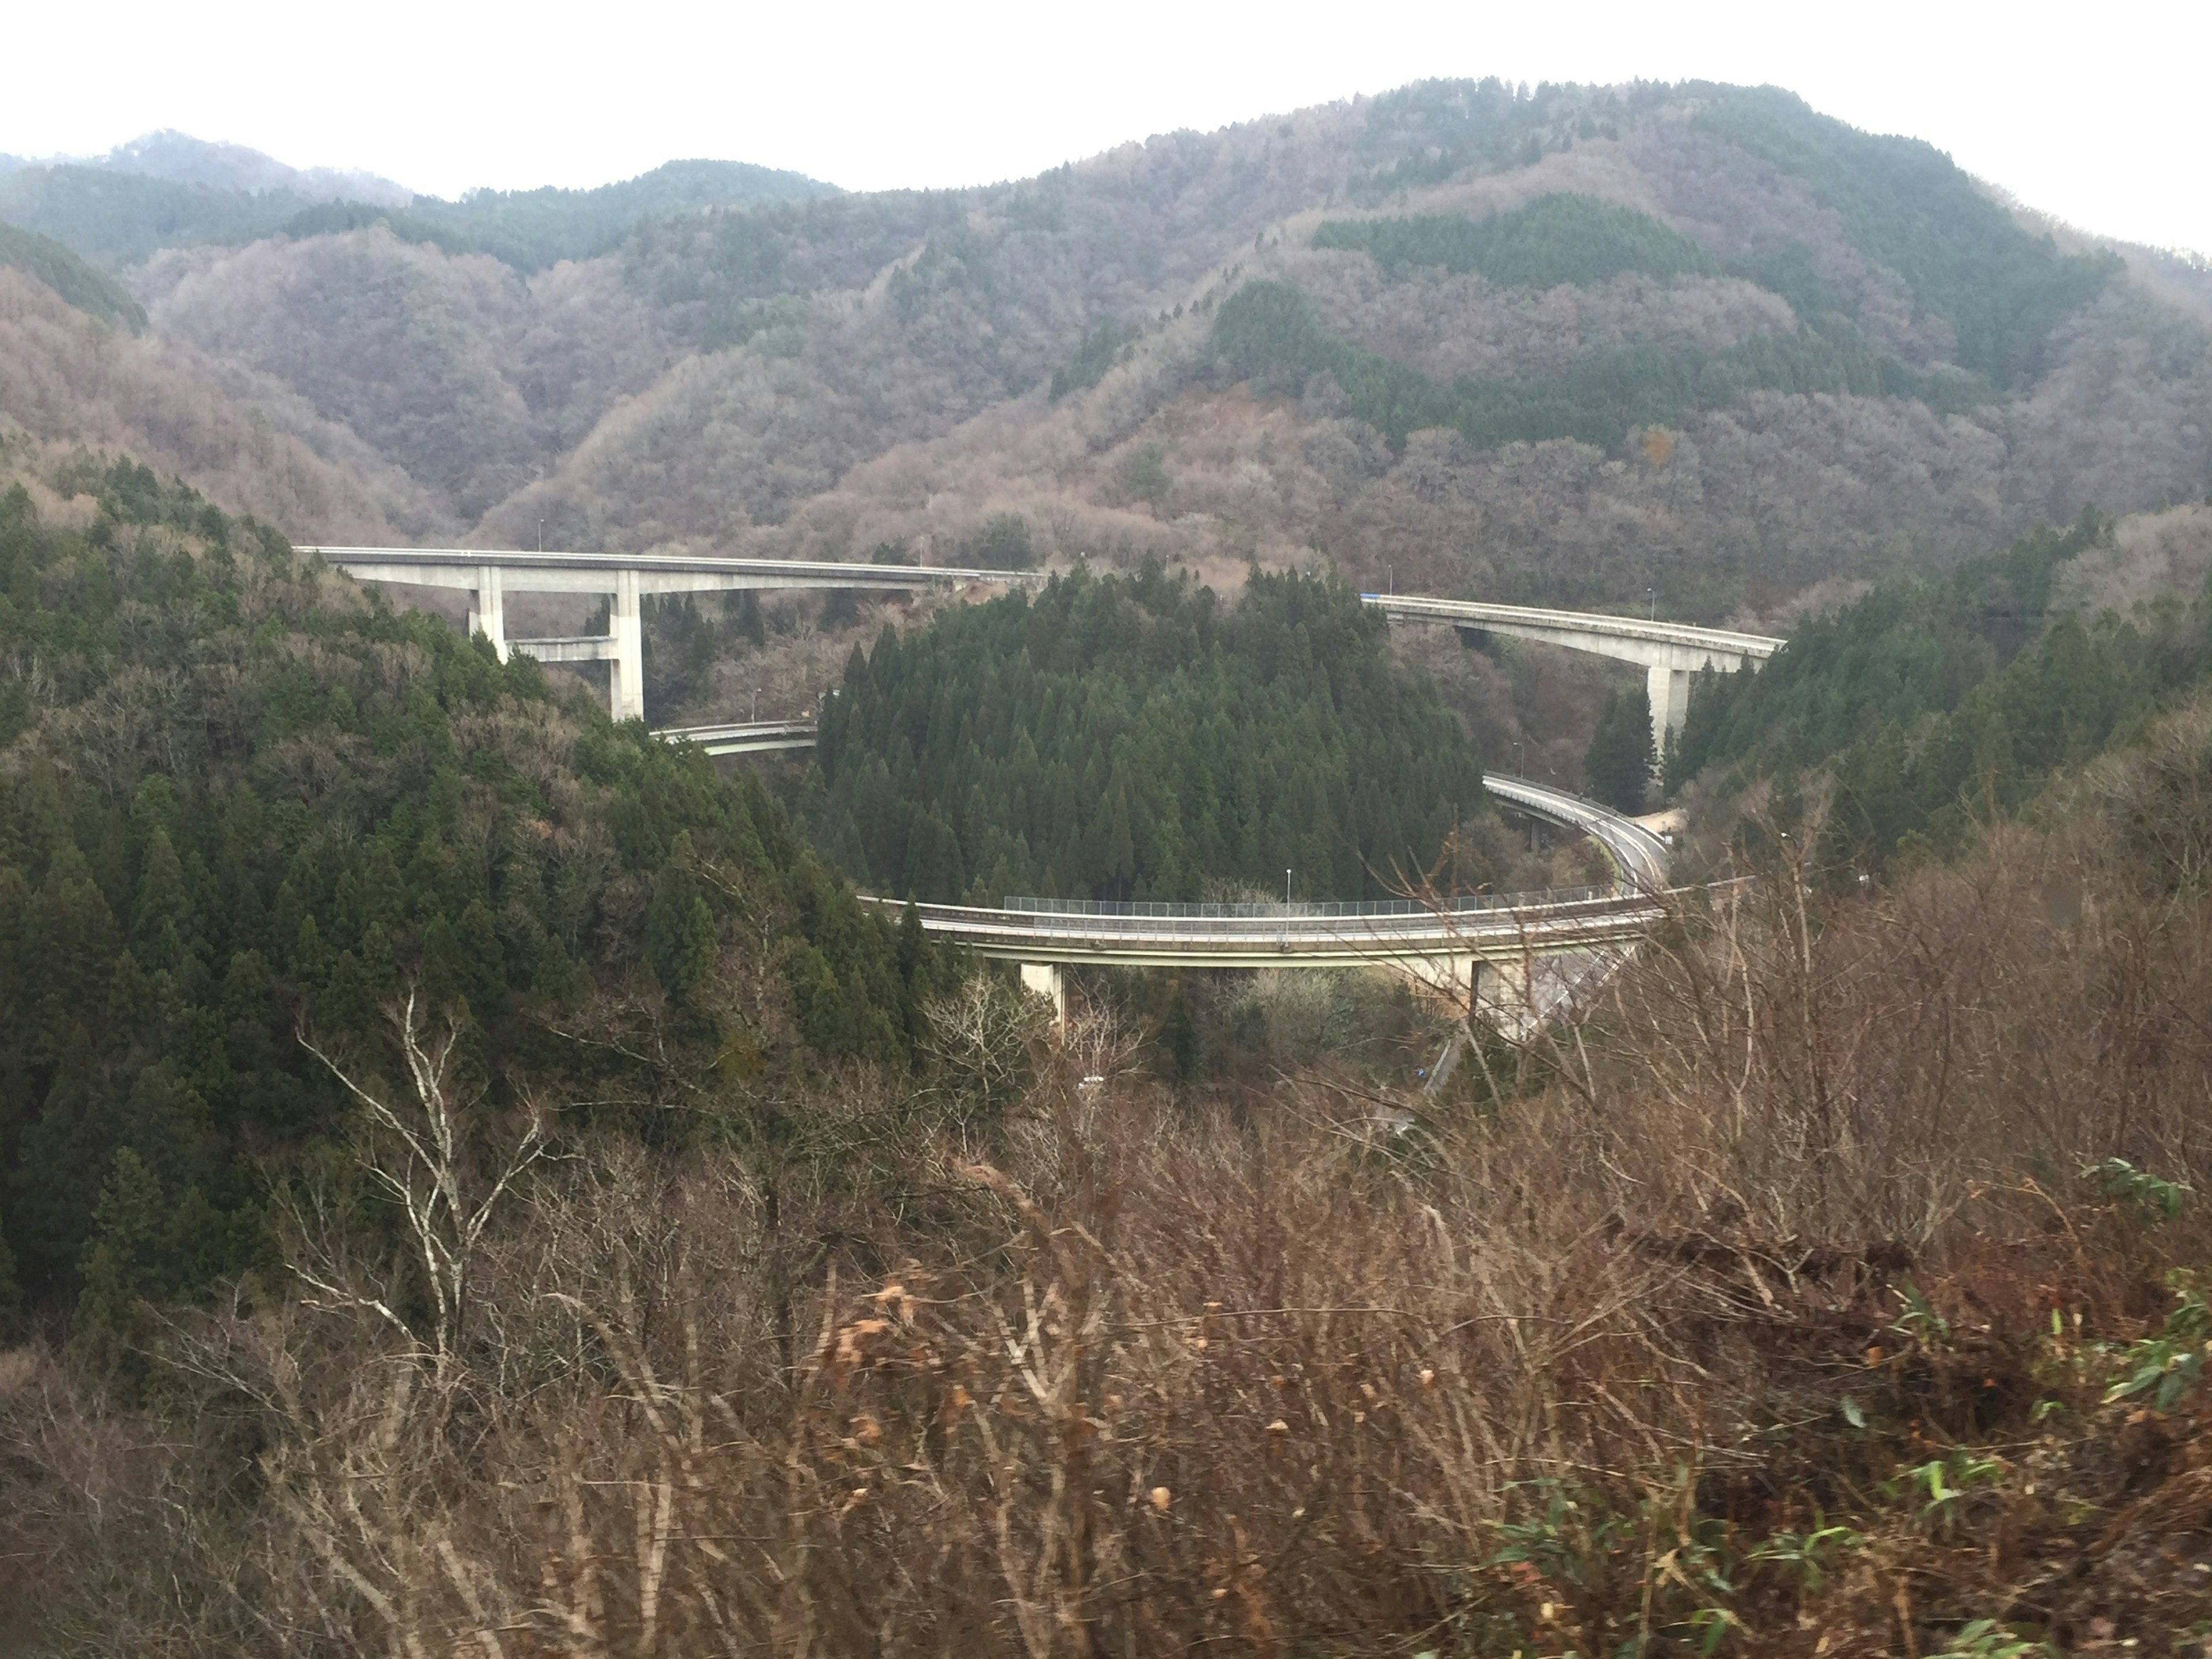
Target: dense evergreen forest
[[91, 291], [1119, 737], [243, 803], [1560, 237], [1268, 333], [1906, 203], [1934, 703]]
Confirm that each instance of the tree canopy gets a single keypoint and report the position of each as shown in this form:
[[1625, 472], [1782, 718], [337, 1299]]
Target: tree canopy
[[1563, 237], [1934, 701], [1132, 736], [240, 802]]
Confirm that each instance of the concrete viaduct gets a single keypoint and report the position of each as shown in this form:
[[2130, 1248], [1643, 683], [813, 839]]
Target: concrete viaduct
[[488, 577], [1670, 651], [1494, 949], [1508, 934]]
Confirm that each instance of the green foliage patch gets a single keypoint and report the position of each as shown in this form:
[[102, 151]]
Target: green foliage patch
[[1563, 237], [1906, 205], [1101, 348], [1933, 701], [297, 809], [1267, 332], [91, 291], [1128, 738]]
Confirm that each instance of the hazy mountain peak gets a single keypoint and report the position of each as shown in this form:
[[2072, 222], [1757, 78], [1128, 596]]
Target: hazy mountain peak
[[169, 154], [183, 159]]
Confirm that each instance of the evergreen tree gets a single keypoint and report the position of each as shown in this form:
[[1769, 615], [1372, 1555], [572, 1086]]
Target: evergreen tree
[[1125, 738], [1621, 758], [467, 833], [126, 1263]]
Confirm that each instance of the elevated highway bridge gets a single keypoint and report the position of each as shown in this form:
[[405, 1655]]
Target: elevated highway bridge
[[488, 576], [1668, 652], [1484, 946], [1509, 934]]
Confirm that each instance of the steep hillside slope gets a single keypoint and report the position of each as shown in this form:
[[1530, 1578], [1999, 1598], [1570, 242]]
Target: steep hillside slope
[[1583, 343], [448, 367], [1731, 347], [67, 380]]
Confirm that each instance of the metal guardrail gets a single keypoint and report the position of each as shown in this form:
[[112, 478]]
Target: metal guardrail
[[1297, 910], [796, 572], [1474, 613]]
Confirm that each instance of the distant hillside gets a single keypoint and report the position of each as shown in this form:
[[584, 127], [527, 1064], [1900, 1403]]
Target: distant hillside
[[90, 291], [1581, 344], [69, 382], [179, 156], [169, 190], [116, 219]]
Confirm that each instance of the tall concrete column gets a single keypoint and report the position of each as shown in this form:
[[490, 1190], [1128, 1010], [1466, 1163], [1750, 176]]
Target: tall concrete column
[[1045, 979], [487, 608], [1670, 689], [1505, 991], [626, 670]]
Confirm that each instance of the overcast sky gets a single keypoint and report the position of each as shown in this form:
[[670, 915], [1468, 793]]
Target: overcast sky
[[2101, 114]]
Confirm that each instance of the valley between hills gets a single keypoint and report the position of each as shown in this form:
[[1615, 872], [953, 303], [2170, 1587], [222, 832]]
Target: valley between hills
[[475, 1176]]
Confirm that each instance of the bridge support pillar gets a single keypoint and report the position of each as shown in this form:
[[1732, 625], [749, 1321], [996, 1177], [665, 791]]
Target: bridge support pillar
[[487, 608], [1046, 980], [1502, 995], [1670, 689], [626, 669]]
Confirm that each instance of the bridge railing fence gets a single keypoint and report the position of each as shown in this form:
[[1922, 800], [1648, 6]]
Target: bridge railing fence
[[1470, 903]]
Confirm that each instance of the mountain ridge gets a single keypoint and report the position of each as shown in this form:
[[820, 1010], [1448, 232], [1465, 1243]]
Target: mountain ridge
[[1867, 358]]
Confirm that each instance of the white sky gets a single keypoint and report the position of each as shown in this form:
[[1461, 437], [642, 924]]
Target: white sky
[[2100, 114]]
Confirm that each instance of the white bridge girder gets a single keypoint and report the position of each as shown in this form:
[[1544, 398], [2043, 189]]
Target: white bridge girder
[[488, 576], [1669, 653]]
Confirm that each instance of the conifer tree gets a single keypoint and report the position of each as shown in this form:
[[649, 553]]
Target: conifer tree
[[1621, 757]]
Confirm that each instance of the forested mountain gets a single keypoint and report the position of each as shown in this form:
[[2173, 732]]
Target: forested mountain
[[1902, 722], [240, 803], [169, 190], [1570, 343], [1132, 738], [183, 159], [91, 291]]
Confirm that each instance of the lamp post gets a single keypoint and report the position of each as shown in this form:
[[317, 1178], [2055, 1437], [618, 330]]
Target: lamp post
[[1654, 592], [757, 705]]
